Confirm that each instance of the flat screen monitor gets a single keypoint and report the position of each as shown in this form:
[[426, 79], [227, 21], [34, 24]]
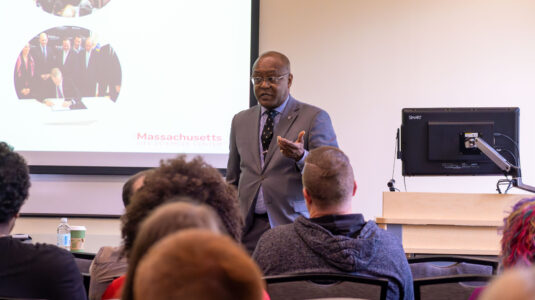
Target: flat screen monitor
[[440, 141]]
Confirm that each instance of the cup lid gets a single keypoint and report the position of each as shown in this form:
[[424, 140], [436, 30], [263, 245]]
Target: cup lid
[[78, 228]]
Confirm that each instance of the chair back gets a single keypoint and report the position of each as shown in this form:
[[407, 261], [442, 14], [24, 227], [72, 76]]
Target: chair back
[[86, 277], [325, 285], [448, 287], [440, 265], [83, 262]]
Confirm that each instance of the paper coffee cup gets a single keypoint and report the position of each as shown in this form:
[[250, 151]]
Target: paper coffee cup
[[77, 238]]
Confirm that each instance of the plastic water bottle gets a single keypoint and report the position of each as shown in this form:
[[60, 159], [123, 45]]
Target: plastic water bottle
[[64, 235]]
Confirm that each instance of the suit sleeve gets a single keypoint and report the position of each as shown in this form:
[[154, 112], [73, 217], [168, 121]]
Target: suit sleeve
[[233, 165], [321, 132]]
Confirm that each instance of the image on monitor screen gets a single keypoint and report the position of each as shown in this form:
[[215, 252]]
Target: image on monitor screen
[[441, 141]]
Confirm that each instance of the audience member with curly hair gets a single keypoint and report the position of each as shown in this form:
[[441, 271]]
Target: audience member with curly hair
[[109, 262], [26, 270], [179, 177]]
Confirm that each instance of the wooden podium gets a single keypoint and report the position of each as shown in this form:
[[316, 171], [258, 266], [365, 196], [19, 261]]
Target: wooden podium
[[443, 223]]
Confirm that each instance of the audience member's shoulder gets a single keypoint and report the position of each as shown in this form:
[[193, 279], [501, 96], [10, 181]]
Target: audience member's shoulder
[[276, 232], [108, 254], [35, 248], [381, 235], [52, 250], [41, 255], [275, 237]]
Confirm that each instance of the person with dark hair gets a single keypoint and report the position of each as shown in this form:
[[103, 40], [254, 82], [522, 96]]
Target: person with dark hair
[[197, 264], [67, 60], [334, 239], [177, 180], [77, 44], [179, 177], [109, 263], [267, 170], [179, 214], [29, 271], [133, 184], [25, 74]]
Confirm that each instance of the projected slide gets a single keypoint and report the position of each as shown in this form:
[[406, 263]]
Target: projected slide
[[122, 83]]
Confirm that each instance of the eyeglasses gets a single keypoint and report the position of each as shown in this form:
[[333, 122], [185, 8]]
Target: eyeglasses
[[270, 79]]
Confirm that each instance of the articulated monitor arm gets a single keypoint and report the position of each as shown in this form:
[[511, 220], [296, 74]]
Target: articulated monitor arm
[[503, 164]]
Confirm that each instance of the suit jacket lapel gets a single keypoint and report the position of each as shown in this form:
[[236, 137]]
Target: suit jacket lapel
[[253, 131], [286, 120]]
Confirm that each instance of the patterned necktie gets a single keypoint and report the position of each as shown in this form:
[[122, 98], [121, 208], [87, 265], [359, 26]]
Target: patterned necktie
[[267, 132]]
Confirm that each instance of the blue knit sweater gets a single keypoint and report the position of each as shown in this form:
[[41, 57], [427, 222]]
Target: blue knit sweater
[[306, 246]]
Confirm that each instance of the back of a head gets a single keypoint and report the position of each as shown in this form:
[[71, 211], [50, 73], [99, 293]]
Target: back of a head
[[197, 264], [165, 220], [179, 177], [518, 246], [133, 184], [514, 284], [328, 176], [14, 182]]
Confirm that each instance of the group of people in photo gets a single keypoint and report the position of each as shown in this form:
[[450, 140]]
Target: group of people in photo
[[70, 8], [71, 68]]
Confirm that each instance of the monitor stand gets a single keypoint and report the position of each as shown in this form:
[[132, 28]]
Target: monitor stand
[[503, 164]]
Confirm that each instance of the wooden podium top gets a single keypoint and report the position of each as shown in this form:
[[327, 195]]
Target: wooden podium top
[[449, 206], [447, 223]]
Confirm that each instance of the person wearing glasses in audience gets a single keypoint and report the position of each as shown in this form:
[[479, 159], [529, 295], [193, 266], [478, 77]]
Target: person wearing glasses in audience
[[268, 146]]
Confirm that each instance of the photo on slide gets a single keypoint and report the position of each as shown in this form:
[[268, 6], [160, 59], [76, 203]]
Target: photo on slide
[[70, 8], [66, 67]]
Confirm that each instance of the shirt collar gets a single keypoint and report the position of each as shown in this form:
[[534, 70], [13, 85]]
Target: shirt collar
[[278, 109]]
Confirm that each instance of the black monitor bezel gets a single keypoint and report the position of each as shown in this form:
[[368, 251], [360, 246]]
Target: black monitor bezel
[[415, 149]]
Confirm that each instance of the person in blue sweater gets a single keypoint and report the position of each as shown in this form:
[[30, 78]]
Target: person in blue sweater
[[334, 239]]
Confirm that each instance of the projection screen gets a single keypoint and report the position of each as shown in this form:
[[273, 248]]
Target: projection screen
[[96, 83]]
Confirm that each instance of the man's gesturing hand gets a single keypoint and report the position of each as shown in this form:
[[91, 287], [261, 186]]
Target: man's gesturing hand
[[291, 149]]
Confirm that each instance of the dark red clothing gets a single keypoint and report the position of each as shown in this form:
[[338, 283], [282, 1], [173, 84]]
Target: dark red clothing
[[115, 288]]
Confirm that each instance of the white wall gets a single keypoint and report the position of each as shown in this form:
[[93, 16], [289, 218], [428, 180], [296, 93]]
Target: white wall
[[363, 61]]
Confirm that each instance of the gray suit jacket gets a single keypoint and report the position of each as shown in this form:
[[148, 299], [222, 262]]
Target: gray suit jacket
[[280, 178]]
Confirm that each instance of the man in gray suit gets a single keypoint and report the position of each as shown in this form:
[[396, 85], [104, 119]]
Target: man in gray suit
[[267, 171]]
